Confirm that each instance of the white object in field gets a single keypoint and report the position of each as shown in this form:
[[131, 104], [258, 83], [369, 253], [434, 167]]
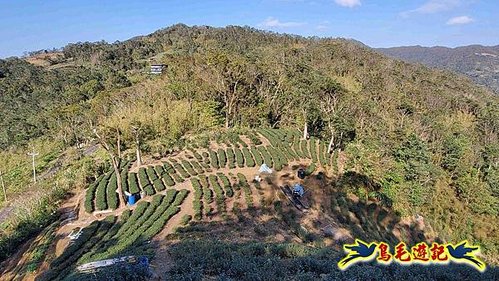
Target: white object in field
[[257, 178], [75, 234], [104, 263], [128, 193], [102, 212], [265, 169], [157, 68]]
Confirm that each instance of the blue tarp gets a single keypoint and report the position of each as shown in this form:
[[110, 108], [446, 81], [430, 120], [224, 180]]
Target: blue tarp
[[298, 188]]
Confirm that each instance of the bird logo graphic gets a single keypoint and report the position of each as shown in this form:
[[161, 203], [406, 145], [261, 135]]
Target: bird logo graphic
[[421, 253], [464, 253], [359, 251]]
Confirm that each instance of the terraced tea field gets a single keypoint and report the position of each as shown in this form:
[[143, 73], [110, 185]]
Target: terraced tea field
[[200, 184]]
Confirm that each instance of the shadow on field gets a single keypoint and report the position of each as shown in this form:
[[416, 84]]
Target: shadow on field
[[207, 251], [91, 246], [345, 215]]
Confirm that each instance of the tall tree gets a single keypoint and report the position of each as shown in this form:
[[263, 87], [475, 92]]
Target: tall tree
[[229, 75], [110, 139], [330, 93]]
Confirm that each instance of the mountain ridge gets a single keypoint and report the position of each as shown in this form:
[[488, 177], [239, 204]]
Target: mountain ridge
[[480, 63]]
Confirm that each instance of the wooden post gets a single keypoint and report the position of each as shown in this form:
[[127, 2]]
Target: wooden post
[[33, 154], [3, 187]]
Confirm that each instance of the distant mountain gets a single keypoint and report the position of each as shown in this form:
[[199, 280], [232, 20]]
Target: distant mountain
[[480, 63]]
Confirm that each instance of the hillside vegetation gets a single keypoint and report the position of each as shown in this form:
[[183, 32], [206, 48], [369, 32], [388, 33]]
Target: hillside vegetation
[[421, 141], [480, 63]]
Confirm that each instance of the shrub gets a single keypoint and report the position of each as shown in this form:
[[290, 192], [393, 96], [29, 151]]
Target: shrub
[[133, 184], [289, 137], [268, 136], [91, 234], [279, 134], [112, 195], [168, 167], [243, 182], [222, 160], [248, 158], [151, 208], [239, 157], [151, 173], [159, 170], [257, 156], [313, 149], [89, 197], [100, 195], [230, 158], [213, 159], [219, 194], [197, 167], [198, 203], [310, 169], [277, 163], [197, 155], [185, 220], [292, 154], [267, 159], [226, 184], [207, 193], [297, 149], [177, 178], [168, 179], [143, 178], [205, 166], [277, 137], [100, 245], [187, 165], [284, 157], [136, 214], [334, 161], [170, 196], [149, 190], [181, 170], [304, 148], [255, 140], [322, 152], [179, 199], [159, 185], [206, 157], [124, 180], [158, 224]]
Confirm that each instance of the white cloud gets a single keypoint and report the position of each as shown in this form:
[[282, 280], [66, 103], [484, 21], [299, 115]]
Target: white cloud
[[271, 22], [459, 20], [434, 6], [348, 3]]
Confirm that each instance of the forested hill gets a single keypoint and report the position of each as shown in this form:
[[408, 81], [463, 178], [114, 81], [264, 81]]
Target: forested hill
[[35, 98], [427, 138], [480, 63]]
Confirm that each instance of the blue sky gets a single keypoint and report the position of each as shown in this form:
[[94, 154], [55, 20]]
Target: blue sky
[[27, 25]]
